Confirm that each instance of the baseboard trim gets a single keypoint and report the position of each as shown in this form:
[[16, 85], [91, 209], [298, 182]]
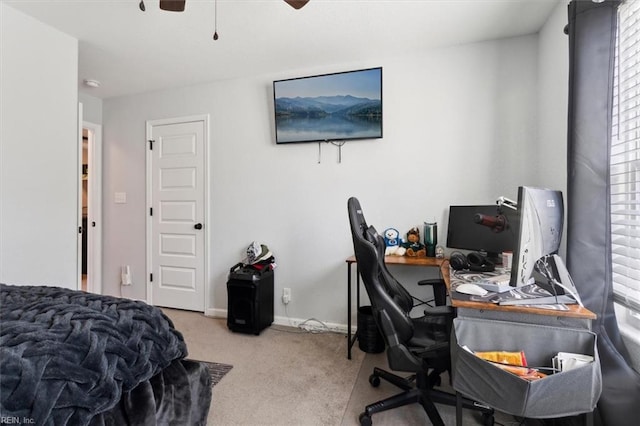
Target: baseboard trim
[[216, 313], [310, 324]]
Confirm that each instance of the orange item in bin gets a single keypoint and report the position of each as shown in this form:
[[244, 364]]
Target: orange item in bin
[[513, 362], [504, 357]]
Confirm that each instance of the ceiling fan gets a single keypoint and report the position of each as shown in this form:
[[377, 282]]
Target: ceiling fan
[[178, 5]]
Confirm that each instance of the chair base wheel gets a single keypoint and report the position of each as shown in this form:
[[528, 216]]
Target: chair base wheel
[[487, 419], [365, 419], [374, 380]]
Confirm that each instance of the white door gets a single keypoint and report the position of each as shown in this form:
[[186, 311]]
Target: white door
[[177, 213]]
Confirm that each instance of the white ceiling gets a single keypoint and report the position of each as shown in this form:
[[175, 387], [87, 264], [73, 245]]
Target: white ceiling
[[130, 51]]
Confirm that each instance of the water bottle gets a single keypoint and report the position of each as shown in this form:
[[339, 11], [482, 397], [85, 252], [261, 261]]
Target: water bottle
[[431, 237]]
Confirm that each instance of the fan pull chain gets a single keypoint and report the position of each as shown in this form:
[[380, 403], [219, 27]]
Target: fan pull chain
[[215, 20]]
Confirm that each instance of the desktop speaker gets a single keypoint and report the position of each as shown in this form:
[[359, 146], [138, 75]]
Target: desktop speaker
[[250, 300]]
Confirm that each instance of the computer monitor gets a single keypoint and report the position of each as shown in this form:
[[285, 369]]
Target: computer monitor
[[465, 233], [540, 217]]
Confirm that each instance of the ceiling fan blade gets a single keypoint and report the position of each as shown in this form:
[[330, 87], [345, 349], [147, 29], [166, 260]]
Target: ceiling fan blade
[[172, 5], [296, 4]]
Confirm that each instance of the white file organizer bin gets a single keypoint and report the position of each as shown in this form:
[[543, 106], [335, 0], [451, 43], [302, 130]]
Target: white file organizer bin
[[562, 394]]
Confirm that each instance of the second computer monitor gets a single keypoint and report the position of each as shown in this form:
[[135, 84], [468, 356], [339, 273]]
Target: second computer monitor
[[465, 233]]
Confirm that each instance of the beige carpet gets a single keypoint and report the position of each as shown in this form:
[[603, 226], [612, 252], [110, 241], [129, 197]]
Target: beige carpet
[[286, 377], [278, 378], [412, 414]]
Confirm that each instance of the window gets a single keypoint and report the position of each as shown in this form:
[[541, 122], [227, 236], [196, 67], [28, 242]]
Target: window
[[625, 161]]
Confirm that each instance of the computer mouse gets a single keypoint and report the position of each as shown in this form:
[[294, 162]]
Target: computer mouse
[[472, 289]]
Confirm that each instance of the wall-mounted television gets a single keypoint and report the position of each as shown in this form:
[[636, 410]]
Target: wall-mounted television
[[329, 107]]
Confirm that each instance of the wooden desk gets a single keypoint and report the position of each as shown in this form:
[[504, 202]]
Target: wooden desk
[[575, 316], [389, 260], [410, 261], [577, 312]]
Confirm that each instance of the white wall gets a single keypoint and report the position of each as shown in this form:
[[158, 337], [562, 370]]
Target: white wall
[[38, 153], [460, 126], [91, 108], [553, 75], [553, 72]]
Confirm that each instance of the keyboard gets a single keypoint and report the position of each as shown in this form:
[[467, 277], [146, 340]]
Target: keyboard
[[496, 284]]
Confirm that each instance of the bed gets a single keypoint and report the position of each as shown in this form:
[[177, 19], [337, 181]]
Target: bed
[[74, 358]]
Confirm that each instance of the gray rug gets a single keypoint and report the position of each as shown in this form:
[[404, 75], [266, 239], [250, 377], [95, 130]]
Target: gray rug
[[217, 371]]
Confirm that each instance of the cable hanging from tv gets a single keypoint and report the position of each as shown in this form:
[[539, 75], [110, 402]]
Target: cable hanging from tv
[[337, 143]]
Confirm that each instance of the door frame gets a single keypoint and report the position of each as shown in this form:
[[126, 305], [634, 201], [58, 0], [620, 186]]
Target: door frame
[[149, 189], [79, 203], [94, 207]]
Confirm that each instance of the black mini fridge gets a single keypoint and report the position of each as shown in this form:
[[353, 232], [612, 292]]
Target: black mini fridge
[[250, 299]]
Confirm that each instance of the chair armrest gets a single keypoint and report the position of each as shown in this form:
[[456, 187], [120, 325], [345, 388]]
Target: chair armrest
[[432, 281], [439, 289], [440, 311], [437, 350]]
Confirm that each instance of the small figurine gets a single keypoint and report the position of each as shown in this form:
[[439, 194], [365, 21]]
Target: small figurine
[[392, 242], [391, 237], [413, 245]]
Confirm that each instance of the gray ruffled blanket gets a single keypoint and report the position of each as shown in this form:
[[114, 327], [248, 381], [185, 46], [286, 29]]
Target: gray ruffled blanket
[[66, 356]]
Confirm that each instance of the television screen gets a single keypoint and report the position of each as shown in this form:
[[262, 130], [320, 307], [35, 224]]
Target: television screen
[[329, 107], [465, 233], [541, 218]]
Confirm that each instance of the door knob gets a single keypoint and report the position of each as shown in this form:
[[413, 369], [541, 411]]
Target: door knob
[[198, 226]]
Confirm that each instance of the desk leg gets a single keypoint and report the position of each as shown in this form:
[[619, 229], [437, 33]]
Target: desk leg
[[357, 287], [349, 310], [351, 339]]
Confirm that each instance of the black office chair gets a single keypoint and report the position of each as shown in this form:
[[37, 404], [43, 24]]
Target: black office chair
[[416, 345]]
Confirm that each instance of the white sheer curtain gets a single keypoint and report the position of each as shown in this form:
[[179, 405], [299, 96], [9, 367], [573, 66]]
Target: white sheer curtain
[[625, 160]]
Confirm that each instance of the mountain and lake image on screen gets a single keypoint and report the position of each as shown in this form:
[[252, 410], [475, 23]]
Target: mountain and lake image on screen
[[329, 107]]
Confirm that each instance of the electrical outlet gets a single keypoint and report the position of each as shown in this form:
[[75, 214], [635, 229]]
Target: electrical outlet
[[125, 275], [286, 295]]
